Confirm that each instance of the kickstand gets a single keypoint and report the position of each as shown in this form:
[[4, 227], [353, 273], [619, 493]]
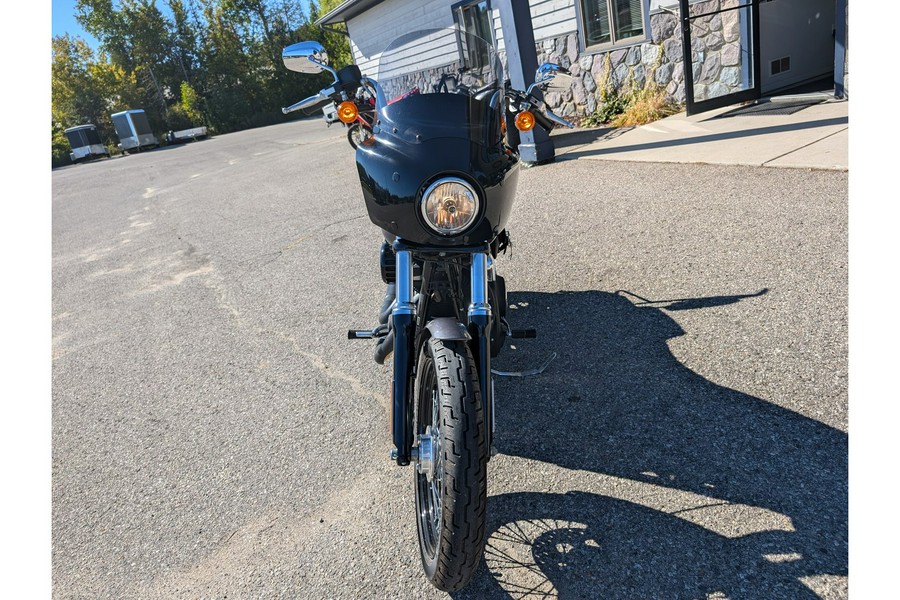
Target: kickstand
[[527, 373]]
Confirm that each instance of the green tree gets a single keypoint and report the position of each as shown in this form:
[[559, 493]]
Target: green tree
[[211, 62], [335, 38], [185, 37], [138, 39]]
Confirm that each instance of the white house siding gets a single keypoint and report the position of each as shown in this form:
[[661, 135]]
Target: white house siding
[[372, 31], [556, 34], [553, 18], [549, 19]]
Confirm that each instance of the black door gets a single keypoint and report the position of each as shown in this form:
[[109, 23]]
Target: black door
[[721, 53]]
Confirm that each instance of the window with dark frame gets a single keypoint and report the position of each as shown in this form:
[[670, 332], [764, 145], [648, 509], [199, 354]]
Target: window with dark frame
[[474, 19], [611, 22]]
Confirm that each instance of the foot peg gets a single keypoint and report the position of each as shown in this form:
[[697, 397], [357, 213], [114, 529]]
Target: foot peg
[[526, 333], [360, 334], [383, 336], [367, 334]]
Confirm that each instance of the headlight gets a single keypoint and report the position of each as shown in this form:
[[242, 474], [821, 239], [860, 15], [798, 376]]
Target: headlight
[[449, 205]]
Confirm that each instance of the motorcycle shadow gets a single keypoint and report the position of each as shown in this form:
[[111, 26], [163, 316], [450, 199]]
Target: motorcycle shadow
[[676, 487]]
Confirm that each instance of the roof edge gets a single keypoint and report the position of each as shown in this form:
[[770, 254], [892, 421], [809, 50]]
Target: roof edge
[[346, 10]]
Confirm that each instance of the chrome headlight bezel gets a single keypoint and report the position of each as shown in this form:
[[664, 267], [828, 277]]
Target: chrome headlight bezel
[[473, 197]]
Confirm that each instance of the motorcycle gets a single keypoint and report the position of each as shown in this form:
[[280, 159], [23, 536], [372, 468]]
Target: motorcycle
[[438, 176], [361, 129]]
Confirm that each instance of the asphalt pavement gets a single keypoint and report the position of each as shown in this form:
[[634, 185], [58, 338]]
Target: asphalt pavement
[[215, 435]]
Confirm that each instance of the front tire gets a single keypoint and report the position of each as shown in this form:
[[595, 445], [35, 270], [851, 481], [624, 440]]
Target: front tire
[[357, 134], [451, 493]]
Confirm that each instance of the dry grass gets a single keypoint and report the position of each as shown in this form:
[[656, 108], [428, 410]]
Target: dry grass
[[646, 105], [628, 105]]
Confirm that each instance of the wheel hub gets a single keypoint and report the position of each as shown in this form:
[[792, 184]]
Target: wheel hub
[[427, 452], [425, 455]]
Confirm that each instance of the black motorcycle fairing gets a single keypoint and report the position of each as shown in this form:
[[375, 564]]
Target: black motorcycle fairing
[[422, 117], [428, 136], [393, 179]]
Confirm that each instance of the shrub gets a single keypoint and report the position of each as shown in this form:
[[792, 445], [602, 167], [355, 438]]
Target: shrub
[[59, 147], [636, 106], [645, 105], [612, 104]]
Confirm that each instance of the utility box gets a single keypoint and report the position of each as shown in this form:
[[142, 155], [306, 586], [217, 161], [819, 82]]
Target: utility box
[[330, 113], [134, 130], [85, 142]]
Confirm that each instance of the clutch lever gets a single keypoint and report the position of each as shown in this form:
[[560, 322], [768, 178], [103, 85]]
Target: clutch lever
[[305, 103]]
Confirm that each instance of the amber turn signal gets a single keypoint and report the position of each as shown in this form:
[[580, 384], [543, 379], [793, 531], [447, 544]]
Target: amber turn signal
[[347, 112], [525, 121]]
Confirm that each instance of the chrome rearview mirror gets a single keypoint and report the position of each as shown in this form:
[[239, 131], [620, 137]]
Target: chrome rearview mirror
[[306, 57], [546, 74]]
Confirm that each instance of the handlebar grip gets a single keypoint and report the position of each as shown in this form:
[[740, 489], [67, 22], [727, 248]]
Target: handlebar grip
[[305, 103]]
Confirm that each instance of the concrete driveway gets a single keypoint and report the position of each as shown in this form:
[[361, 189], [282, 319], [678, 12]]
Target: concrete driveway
[[215, 435]]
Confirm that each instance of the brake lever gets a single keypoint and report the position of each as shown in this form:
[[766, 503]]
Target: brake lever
[[557, 119]]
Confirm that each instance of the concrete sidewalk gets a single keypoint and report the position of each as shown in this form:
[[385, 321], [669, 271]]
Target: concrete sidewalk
[[804, 131]]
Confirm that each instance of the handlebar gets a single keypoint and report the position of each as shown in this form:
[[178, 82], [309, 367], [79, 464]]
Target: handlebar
[[546, 118], [306, 103], [542, 120], [543, 115]]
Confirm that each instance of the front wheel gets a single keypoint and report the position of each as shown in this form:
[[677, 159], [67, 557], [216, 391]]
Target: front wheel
[[357, 134], [451, 473]]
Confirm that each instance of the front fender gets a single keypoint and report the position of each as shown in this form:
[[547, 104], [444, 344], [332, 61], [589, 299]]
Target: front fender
[[447, 328]]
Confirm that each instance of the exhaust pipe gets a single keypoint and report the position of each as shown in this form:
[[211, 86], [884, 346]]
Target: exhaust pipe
[[384, 348], [388, 304]]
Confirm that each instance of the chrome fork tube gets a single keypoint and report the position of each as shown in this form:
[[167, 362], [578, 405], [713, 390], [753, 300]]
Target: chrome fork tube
[[479, 305], [403, 321], [405, 291], [480, 328]]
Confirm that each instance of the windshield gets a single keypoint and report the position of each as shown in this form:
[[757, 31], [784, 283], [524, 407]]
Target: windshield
[[438, 60], [440, 83]]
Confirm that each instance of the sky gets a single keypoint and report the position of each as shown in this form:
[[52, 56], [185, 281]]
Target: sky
[[63, 16]]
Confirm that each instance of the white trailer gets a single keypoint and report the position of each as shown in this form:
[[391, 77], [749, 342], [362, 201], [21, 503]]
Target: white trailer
[[186, 135], [85, 142], [133, 130]]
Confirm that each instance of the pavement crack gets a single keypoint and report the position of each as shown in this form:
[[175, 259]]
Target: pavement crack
[[310, 233], [332, 373]]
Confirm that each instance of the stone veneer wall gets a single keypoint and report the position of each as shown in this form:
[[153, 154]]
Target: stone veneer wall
[[424, 80], [716, 55]]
